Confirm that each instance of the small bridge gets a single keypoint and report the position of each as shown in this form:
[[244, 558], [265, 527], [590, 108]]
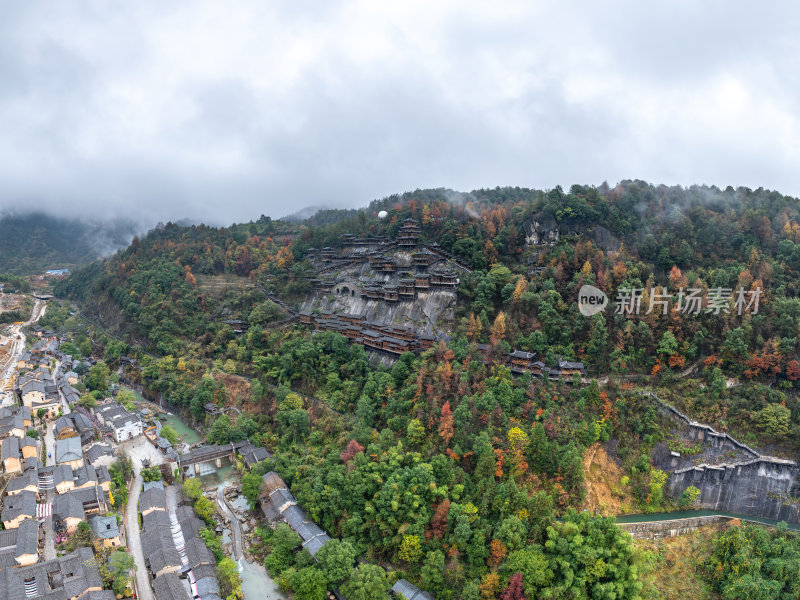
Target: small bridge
[[205, 454]]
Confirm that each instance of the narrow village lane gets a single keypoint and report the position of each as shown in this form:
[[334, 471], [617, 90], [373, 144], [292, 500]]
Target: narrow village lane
[[135, 539]]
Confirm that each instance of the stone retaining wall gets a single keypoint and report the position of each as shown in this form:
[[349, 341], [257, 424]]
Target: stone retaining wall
[[654, 530], [759, 485]]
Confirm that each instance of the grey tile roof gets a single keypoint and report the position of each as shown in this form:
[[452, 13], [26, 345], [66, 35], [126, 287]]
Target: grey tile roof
[[28, 537], [295, 516], [308, 530], [19, 483], [281, 497], [62, 473], [152, 498], [169, 587], [410, 591], [9, 448], [32, 463], [104, 527], [197, 552], [68, 449], [85, 474], [103, 474], [100, 595], [159, 549], [68, 506], [96, 451], [205, 571], [23, 504], [314, 545], [253, 454], [158, 519], [28, 441], [66, 577], [190, 523], [207, 587]]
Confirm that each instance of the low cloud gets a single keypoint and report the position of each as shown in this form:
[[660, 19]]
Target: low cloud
[[222, 112]]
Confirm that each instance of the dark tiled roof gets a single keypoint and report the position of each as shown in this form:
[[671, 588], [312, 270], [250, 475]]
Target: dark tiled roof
[[169, 587], [153, 498], [23, 504], [104, 527]]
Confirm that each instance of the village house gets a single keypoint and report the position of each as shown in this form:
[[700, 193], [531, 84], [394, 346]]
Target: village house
[[28, 481], [32, 390], [68, 452], [70, 508], [29, 447], [26, 361], [160, 553], [68, 512], [74, 424], [100, 454], [63, 479], [152, 499], [409, 591], [106, 530], [68, 577], [521, 359], [15, 420], [124, 424], [169, 587], [19, 547], [9, 452], [17, 508]]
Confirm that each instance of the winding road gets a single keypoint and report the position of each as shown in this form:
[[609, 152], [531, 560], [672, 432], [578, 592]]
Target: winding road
[[17, 341]]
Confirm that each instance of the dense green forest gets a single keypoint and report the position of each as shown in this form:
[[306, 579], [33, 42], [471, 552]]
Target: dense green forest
[[443, 464], [34, 242]]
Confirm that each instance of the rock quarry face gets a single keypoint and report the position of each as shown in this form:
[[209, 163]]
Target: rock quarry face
[[731, 476]]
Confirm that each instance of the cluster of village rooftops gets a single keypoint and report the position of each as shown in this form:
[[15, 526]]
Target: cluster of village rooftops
[[46, 492]]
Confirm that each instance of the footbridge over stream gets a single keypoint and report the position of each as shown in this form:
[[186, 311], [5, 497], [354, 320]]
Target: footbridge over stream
[[201, 458]]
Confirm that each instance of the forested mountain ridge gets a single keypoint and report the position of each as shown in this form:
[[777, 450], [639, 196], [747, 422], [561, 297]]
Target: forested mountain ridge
[[33, 242], [173, 289], [444, 465], [632, 236]]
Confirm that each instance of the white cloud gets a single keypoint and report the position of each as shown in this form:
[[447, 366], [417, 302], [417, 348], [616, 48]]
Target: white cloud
[[224, 111]]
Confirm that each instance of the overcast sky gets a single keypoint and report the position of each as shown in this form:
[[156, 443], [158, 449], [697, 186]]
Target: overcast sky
[[226, 110]]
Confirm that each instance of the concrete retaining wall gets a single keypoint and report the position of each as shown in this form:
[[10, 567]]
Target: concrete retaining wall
[[654, 530], [758, 485]]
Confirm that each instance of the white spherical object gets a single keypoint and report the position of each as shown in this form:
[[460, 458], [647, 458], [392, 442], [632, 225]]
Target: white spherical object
[[382, 215]]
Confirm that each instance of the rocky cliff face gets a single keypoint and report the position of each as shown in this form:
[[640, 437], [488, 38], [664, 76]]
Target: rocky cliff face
[[430, 313], [731, 476]]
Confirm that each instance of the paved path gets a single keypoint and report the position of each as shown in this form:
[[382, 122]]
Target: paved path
[[49, 443], [135, 540], [49, 532]]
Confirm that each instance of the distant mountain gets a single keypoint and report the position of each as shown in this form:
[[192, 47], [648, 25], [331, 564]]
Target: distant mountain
[[31, 243], [303, 214]]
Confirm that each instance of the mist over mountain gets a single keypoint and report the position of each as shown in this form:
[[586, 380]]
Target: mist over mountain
[[33, 242]]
